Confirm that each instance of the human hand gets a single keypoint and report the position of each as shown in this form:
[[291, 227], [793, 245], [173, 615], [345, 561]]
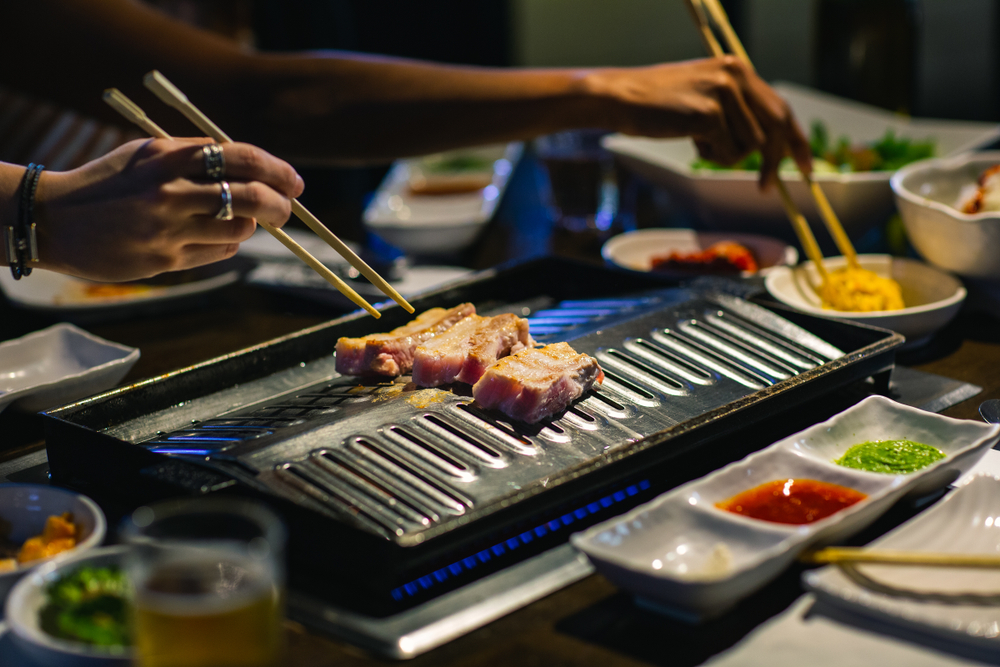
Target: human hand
[[721, 103], [147, 207]]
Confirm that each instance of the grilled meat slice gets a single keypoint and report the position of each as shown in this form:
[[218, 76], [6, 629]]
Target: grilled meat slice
[[537, 382], [391, 353], [466, 350]]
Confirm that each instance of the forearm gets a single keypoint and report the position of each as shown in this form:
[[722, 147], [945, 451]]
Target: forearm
[[330, 106]]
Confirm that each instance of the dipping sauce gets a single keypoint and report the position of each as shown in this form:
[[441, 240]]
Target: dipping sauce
[[794, 501], [890, 456]]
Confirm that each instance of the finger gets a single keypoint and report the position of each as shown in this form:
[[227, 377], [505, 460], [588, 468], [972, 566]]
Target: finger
[[250, 200], [203, 229], [200, 254], [747, 132], [244, 162]]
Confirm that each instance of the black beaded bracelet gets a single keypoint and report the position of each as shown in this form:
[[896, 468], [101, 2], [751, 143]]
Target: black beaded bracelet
[[20, 240]]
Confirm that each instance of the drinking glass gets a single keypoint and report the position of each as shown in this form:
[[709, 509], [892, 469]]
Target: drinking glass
[[208, 583]]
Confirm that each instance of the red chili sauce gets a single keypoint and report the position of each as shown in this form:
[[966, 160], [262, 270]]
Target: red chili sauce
[[794, 501]]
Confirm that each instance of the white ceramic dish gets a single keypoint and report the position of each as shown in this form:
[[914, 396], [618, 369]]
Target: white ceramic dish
[[953, 603], [685, 555], [57, 293], [59, 365], [731, 200], [933, 297], [26, 507], [436, 224], [926, 193], [636, 250], [27, 600]]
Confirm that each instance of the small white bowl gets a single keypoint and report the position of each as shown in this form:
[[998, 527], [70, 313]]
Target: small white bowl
[[933, 297], [60, 364], [27, 600], [636, 250], [26, 507], [926, 193]]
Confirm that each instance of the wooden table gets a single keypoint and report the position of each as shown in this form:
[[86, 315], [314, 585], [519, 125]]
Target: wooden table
[[588, 623]]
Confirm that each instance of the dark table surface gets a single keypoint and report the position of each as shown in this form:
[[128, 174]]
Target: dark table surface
[[588, 623]]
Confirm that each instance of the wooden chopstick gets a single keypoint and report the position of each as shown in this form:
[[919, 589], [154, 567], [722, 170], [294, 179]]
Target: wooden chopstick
[[130, 110], [721, 19], [832, 555], [171, 95], [799, 222]]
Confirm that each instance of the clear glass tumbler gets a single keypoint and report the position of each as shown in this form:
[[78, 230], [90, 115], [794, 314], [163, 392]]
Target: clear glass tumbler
[[208, 580]]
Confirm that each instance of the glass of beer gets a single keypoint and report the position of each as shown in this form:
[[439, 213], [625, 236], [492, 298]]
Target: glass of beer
[[208, 583]]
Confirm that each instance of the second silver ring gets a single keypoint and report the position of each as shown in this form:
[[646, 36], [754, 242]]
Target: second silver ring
[[226, 210], [215, 161]]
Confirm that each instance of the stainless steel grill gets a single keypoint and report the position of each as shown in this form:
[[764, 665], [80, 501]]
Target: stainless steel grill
[[439, 515]]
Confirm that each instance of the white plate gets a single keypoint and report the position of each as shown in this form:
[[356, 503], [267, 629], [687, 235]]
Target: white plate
[[933, 297], [685, 555], [58, 293], [636, 250], [436, 224], [731, 199], [58, 365], [28, 598], [953, 603], [25, 507]]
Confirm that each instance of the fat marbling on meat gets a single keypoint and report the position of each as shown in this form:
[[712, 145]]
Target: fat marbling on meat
[[537, 382], [465, 351], [392, 353]]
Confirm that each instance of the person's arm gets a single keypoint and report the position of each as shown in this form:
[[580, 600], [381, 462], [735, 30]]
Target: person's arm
[[352, 108], [147, 207]]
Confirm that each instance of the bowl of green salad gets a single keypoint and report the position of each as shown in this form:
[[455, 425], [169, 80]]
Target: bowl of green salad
[[74, 612], [856, 149]]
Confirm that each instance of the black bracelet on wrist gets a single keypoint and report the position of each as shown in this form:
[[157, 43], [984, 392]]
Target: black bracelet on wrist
[[19, 238]]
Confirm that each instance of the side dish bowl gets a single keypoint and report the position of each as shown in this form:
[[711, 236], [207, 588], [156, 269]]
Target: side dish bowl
[[635, 250], [690, 558], [58, 365], [926, 193], [23, 511], [932, 296], [28, 599]]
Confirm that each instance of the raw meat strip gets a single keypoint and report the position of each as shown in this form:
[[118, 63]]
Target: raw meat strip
[[466, 350], [537, 382], [392, 353]]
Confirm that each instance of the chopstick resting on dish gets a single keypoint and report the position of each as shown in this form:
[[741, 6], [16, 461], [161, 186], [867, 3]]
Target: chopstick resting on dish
[[833, 555], [118, 101]]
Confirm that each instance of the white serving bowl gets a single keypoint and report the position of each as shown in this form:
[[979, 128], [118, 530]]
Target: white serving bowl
[[26, 507], [926, 192], [59, 364], [635, 250], [933, 297], [27, 600], [437, 224], [730, 200]]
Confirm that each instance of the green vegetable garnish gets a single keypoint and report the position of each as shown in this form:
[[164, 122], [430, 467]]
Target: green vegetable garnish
[[890, 456], [90, 605], [887, 154]]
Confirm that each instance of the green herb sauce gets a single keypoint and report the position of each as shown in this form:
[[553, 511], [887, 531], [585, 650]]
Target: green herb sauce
[[890, 456]]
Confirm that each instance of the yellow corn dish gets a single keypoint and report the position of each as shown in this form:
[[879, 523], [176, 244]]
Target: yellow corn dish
[[860, 290]]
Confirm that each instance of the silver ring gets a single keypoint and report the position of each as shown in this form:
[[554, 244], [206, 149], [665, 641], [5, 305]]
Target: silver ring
[[226, 211], [215, 161]]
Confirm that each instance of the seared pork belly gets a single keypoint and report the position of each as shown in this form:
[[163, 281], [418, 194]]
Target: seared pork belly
[[465, 351], [391, 353], [537, 382]]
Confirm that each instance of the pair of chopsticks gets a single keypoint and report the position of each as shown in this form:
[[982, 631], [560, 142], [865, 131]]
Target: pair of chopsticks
[[704, 10], [837, 555], [172, 96]]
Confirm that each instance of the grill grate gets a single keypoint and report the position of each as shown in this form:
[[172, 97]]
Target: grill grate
[[401, 460]]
